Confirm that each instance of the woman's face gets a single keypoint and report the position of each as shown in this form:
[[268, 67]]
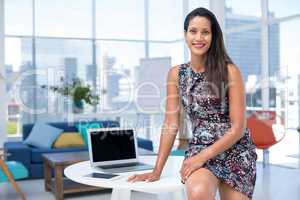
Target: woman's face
[[198, 36]]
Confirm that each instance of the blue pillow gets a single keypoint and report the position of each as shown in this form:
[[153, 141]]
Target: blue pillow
[[42, 135], [83, 129]]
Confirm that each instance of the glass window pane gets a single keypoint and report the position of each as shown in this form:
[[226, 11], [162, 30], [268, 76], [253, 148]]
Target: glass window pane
[[120, 19], [274, 49], [274, 65], [173, 50], [63, 18], [165, 20], [245, 50], [287, 151], [289, 62], [238, 7], [198, 3], [59, 61], [118, 71], [18, 17], [286, 83], [19, 83], [284, 8], [238, 14]]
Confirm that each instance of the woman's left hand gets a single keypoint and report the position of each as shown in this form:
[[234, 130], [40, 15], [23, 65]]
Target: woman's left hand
[[189, 165]]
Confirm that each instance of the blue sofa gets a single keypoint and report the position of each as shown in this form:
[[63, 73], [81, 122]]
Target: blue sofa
[[31, 157]]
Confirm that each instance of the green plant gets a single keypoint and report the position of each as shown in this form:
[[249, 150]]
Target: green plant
[[77, 91], [298, 129]]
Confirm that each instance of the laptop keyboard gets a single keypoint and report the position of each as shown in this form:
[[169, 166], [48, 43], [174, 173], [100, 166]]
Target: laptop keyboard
[[126, 167], [122, 165]]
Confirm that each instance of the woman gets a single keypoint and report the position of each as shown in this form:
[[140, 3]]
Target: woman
[[221, 154]]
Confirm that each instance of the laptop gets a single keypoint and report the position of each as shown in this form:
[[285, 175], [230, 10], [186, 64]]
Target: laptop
[[114, 150]]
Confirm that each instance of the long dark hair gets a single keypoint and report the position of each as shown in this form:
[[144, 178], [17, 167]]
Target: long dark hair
[[217, 58]]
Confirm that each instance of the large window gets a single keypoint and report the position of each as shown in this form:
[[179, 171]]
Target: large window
[[102, 42]]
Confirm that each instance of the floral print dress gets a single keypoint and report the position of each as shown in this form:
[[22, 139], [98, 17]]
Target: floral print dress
[[210, 120]]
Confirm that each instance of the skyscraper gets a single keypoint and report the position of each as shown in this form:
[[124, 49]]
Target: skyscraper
[[244, 47], [70, 65], [90, 73]]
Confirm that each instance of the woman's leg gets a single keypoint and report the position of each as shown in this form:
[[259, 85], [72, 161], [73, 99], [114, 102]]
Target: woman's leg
[[229, 193], [202, 184]]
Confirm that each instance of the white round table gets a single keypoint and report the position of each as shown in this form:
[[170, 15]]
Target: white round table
[[169, 181]]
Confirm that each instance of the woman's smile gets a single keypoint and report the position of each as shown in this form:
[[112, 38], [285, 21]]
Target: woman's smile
[[198, 45]]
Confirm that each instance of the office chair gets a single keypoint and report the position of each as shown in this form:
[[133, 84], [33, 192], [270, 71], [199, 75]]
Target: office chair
[[262, 132]]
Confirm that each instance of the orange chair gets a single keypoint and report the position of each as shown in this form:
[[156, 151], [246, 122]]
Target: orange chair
[[261, 131]]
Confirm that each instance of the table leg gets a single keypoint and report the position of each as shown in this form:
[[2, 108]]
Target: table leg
[[47, 176], [118, 194], [59, 183]]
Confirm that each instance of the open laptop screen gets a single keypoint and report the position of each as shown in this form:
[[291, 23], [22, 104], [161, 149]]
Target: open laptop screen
[[112, 145]]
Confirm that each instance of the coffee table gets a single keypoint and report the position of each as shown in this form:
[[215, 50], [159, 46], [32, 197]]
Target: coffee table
[[169, 182], [60, 185]]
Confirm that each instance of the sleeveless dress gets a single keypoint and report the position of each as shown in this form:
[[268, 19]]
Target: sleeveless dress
[[210, 120]]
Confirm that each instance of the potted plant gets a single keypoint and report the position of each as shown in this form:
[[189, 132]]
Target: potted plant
[[78, 92]]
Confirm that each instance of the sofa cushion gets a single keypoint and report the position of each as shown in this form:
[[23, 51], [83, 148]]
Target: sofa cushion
[[145, 144], [68, 126], [17, 170], [42, 135], [83, 129], [68, 139], [36, 153]]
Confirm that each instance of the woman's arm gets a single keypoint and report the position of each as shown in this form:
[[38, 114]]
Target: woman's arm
[[237, 109], [169, 128]]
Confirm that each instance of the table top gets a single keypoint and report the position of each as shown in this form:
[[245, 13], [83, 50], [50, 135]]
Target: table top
[[66, 158], [169, 181]]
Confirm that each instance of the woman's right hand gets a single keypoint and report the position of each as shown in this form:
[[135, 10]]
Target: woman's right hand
[[148, 177]]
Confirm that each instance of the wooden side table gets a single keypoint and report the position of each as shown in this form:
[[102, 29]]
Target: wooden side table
[[60, 185]]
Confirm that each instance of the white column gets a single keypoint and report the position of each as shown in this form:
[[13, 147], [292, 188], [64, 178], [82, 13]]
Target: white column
[[299, 117], [265, 65], [3, 107], [218, 8], [265, 54], [185, 12], [146, 16]]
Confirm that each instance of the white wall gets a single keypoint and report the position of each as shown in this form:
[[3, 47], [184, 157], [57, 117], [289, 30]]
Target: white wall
[[2, 82]]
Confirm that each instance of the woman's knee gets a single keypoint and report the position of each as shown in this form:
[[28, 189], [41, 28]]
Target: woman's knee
[[200, 190], [202, 184]]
